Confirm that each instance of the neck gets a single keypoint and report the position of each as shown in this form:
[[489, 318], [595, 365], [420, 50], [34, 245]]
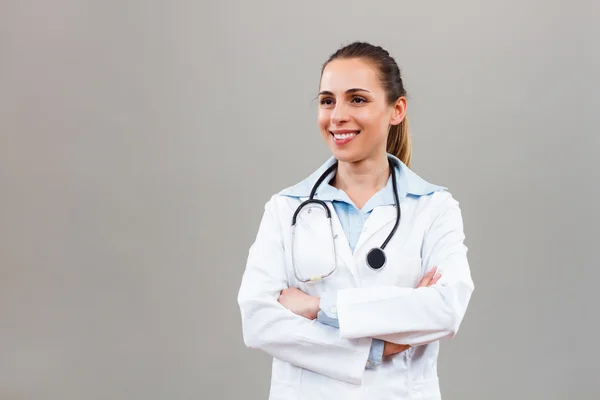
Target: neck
[[362, 179]]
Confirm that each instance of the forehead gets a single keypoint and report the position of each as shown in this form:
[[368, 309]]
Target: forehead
[[340, 75]]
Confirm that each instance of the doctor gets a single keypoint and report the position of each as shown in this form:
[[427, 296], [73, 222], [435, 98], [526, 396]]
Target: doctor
[[358, 271]]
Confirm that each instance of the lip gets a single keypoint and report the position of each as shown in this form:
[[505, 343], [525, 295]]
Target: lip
[[342, 131]]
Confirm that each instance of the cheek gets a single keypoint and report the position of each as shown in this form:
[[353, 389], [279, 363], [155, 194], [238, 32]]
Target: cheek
[[370, 120], [323, 119]]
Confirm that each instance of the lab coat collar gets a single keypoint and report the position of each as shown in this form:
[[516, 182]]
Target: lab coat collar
[[409, 183]]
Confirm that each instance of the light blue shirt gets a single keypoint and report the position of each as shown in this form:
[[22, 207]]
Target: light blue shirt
[[352, 220]]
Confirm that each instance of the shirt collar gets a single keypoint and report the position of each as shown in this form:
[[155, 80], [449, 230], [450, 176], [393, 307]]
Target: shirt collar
[[408, 183]]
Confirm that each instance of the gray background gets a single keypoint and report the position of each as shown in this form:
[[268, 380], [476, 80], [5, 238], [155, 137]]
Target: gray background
[[139, 141]]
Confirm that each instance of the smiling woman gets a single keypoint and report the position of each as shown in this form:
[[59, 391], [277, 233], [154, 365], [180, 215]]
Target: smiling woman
[[375, 107], [358, 271]]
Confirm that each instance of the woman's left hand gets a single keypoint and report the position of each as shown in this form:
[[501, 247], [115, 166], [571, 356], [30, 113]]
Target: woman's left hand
[[299, 302]]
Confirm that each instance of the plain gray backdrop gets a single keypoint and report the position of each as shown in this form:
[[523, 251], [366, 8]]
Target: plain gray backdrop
[[139, 141]]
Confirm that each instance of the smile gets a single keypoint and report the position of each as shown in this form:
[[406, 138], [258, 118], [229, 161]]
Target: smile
[[343, 137]]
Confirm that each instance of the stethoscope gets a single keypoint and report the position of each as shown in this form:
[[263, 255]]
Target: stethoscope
[[376, 258]]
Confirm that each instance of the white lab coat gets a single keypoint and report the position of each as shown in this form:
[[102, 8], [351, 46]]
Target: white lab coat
[[314, 361]]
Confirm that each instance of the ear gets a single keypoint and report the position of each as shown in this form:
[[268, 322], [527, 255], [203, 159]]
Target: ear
[[398, 111]]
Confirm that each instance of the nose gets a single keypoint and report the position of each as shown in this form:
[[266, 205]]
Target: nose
[[339, 114]]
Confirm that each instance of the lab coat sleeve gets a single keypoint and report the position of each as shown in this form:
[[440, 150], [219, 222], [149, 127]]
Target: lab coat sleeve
[[377, 346], [421, 315], [268, 326]]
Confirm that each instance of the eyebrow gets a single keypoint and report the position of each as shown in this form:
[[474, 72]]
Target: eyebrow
[[353, 90]]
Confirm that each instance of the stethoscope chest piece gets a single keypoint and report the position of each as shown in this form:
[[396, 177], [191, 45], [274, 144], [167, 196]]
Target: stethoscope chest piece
[[376, 258]]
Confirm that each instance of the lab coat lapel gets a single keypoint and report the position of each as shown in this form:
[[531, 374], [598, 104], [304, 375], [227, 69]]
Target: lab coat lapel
[[342, 247]]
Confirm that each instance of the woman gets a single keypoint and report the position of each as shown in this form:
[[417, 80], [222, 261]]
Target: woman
[[353, 306]]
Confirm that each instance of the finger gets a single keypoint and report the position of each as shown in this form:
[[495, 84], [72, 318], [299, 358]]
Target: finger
[[424, 281], [435, 278], [427, 278]]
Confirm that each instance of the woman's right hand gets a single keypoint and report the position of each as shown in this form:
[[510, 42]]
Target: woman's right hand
[[429, 279]]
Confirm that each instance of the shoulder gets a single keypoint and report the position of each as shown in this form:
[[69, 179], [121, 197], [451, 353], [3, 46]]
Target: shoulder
[[443, 198], [443, 201], [444, 212]]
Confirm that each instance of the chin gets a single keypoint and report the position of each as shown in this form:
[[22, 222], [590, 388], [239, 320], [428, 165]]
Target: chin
[[346, 155], [354, 151]]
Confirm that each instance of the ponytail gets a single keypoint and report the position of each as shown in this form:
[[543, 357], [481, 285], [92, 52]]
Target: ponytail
[[398, 142]]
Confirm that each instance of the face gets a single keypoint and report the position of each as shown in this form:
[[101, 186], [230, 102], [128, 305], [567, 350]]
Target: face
[[354, 115]]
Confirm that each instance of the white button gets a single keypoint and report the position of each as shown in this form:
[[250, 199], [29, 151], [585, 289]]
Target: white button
[[334, 310], [365, 229], [368, 363]]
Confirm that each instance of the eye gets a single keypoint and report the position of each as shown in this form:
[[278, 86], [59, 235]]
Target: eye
[[358, 99], [326, 101]]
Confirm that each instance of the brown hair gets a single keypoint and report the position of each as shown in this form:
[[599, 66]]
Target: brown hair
[[398, 142]]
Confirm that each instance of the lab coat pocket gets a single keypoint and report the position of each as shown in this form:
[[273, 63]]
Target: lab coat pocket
[[285, 380], [426, 389], [312, 254]]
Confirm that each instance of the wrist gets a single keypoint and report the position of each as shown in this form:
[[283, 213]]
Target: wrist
[[315, 307]]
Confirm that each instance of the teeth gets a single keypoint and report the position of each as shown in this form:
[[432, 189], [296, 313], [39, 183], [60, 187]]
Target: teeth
[[341, 136]]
